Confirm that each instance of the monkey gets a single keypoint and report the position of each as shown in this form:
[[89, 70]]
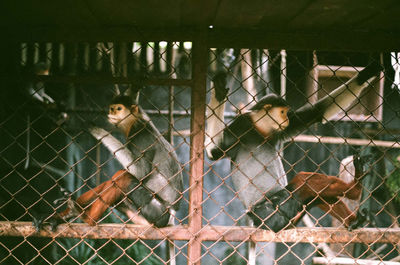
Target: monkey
[[150, 185], [253, 141]]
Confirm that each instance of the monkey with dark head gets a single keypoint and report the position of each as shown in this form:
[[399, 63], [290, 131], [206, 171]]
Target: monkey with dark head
[[253, 143], [150, 185]]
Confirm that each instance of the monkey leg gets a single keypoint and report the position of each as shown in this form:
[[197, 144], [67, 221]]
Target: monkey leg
[[75, 208], [104, 196], [338, 209], [122, 185], [88, 197], [363, 217], [309, 185]]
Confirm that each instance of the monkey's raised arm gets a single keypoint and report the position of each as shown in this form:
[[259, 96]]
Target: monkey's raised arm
[[338, 100], [215, 113]]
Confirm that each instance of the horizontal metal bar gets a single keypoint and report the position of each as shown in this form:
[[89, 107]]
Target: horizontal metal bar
[[207, 233], [349, 141], [351, 261], [302, 138], [184, 113], [101, 79]]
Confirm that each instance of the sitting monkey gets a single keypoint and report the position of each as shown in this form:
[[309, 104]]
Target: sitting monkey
[[253, 141], [148, 188]]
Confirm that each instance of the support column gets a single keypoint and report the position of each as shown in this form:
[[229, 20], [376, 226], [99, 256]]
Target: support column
[[199, 77]]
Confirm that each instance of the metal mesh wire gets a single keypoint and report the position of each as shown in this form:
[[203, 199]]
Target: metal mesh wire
[[46, 146]]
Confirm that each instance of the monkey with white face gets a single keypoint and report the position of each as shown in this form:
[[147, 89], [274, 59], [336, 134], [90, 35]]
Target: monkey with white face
[[270, 118], [253, 142], [149, 187]]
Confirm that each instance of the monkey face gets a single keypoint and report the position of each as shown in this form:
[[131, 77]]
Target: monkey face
[[270, 119], [279, 117], [123, 117], [118, 114]]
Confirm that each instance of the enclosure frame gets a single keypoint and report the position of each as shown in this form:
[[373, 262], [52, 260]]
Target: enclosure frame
[[195, 233]]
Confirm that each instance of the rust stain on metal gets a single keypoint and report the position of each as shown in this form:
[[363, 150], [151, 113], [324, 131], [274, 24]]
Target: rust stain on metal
[[206, 233]]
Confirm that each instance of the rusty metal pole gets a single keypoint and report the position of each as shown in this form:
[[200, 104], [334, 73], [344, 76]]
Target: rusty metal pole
[[199, 77]]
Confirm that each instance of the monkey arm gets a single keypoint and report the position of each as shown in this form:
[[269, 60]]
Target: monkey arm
[[215, 123], [235, 136], [338, 100], [215, 113], [343, 97], [120, 151]]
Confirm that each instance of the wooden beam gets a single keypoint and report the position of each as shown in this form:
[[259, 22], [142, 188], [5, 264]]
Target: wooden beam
[[217, 38], [104, 79], [207, 233], [298, 40], [97, 34]]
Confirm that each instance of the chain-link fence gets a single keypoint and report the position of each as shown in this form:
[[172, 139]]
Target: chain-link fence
[[56, 92]]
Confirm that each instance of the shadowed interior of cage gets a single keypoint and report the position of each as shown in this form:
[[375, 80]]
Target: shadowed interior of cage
[[49, 158]]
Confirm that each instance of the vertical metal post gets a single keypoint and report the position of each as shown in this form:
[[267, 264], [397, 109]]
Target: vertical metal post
[[171, 257], [199, 76], [312, 80], [171, 71], [248, 77], [283, 73]]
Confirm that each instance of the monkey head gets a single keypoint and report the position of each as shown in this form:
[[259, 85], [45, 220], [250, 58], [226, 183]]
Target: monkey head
[[123, 113], [270, 114]]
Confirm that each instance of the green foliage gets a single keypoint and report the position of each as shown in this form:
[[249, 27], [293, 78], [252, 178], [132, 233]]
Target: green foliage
[[105, 251], [95, 252], [75, 251]]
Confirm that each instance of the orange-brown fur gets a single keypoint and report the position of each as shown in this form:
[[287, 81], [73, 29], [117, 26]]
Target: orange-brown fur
[[328, 190], [95, 202]]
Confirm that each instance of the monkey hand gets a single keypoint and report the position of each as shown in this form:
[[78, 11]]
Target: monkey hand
[[98, 133], [364, 217], [359, 163], [221, 90], [39, 221], [56, 218], [371, 70]]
